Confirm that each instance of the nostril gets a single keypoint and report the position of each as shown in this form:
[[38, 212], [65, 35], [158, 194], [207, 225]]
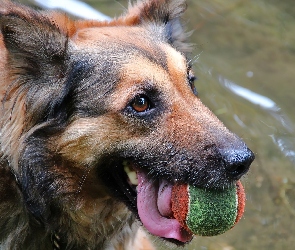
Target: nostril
[[237, 170], [237, 162]]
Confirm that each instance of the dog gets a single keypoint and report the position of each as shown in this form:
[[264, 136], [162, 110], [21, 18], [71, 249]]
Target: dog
[[90, 112]]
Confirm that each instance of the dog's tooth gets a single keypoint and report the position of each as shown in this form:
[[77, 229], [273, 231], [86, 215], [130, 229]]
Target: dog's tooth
[[133, 178], [131, 174]]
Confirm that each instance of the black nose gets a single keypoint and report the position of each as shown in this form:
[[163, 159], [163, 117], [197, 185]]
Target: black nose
[[237, 162]]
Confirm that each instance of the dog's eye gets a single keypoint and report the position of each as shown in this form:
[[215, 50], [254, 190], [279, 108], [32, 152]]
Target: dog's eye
[[141, 103]]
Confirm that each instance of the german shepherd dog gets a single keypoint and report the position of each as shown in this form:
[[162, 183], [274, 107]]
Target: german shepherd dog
[[98, 121]]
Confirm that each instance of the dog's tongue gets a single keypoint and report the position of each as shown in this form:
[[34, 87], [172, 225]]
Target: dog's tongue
[[154, 209]]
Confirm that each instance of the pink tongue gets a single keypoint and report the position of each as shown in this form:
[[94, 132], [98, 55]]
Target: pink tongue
[[154, 206]]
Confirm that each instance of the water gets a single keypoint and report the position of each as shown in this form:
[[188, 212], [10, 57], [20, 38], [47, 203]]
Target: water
[[245, 56], [246, 76]]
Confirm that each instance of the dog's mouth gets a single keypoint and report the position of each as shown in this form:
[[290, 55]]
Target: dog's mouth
[[150, 199]]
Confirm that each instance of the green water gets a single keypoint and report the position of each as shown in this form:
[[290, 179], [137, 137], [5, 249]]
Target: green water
[[249, 43], [252, 44]]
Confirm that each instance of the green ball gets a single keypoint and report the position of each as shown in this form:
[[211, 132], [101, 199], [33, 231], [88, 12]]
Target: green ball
[[211, 212]]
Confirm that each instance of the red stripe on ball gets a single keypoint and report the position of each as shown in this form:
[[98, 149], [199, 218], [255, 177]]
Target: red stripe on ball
[[180, 203], [241, 201]]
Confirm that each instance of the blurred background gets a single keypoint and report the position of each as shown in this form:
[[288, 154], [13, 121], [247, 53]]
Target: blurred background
[[244, 59]]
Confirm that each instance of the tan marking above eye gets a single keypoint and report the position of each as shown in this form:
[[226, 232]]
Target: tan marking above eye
[[140, 103]]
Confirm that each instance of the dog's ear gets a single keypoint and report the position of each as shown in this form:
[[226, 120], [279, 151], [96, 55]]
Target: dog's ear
[[36, 60], [163, 13], [35, 45]]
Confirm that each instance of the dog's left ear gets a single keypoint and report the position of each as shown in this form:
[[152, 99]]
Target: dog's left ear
[[35, 45], [165, 14]]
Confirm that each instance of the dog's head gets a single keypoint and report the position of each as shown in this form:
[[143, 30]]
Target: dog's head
[[93, 108]]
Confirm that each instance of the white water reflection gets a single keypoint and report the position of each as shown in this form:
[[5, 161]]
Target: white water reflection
[[73, 7], [284, 139], [285, 145], [257, 99]]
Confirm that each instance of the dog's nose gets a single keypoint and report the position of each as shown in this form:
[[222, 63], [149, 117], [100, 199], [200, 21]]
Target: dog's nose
[[237, 162]]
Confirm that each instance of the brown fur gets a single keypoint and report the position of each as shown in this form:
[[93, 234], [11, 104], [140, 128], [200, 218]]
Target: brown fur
[[67, 124]]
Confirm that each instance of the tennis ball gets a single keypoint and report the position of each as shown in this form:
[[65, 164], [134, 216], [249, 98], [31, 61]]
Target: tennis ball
[[207, 212]]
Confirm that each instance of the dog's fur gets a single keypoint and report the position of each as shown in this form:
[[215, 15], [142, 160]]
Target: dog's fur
[[69, 119]]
